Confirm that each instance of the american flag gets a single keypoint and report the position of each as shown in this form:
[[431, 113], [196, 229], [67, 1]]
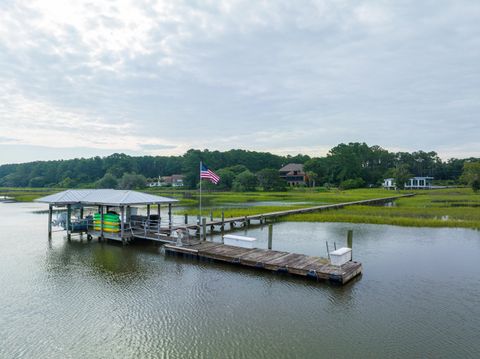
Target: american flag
[[205, 173]]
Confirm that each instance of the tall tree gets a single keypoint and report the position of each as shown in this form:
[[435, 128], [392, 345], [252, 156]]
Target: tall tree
[[245, 181], [132, 181], [269, 180], [471, 175], [401, 174], [107, 181]]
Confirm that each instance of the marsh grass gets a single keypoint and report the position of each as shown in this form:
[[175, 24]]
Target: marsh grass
[[27, 194], [453, 207], [457, 207]]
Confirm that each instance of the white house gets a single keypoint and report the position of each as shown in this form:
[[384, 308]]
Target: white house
[[173, 180], [412, 183]]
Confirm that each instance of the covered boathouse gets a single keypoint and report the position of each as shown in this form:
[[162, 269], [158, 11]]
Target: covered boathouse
[[120, 215]]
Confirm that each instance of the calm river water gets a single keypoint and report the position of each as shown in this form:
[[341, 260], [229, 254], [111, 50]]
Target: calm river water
[[419, 297]]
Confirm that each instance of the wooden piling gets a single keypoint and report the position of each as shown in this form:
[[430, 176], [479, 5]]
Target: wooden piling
[[204, 228], [50, 212], [186, 218], [101, 222], [122, 214], [270, 235], [69, 220], [350, 240], [223, 223]]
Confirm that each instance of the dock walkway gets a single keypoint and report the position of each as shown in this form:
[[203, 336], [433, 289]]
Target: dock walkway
[[276, 261], [264, 217]]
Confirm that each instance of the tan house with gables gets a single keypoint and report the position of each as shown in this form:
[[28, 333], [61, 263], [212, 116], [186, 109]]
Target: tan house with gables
[[294, 174]]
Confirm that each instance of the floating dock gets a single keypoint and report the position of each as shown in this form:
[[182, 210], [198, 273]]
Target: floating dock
[[276, 261]]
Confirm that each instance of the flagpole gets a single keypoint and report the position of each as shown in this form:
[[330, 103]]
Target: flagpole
[[200, 202]]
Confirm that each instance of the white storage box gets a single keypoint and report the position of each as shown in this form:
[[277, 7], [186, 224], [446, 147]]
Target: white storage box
[[239, 241], [341, 256]]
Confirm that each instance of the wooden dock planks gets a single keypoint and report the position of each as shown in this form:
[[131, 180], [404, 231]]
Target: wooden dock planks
[[277, 261]]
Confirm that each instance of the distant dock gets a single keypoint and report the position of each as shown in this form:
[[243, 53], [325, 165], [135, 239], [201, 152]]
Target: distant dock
[[276, 261]]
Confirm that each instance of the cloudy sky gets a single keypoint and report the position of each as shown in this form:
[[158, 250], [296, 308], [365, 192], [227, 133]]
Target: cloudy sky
[[84, 78]]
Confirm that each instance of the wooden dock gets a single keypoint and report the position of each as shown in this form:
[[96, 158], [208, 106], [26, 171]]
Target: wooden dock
[[277, 261], [238, 222]]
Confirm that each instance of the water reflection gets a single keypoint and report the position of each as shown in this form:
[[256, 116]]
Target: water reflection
[[103, 259], [417, 297]]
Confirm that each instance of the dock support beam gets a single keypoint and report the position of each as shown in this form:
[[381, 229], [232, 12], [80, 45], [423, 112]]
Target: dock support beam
[[159, 210], [223, 223], [169, 216], [270, 235], [69, 220], [50, 212], [204, 228], [350, 240], [101, 222], [186, 218], [122, 215]]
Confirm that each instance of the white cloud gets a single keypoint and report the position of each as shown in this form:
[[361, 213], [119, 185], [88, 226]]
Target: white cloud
[[272, 75], [33, 122]]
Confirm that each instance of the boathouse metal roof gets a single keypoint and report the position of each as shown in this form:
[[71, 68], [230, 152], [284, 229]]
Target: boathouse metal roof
[[109, 197]]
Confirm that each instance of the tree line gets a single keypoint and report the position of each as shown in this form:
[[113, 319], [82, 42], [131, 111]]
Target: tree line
[[345, 165]]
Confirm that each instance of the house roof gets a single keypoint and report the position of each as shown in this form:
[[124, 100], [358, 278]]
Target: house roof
[[292, 167], [110, 197]]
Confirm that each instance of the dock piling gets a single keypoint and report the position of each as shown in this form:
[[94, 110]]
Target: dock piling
[[69, 220], [270, 235], [122, 221], [101, 222], [186, 218], [223, 223], [350, 240], [170, 216], [204, 228], [50, 212]]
